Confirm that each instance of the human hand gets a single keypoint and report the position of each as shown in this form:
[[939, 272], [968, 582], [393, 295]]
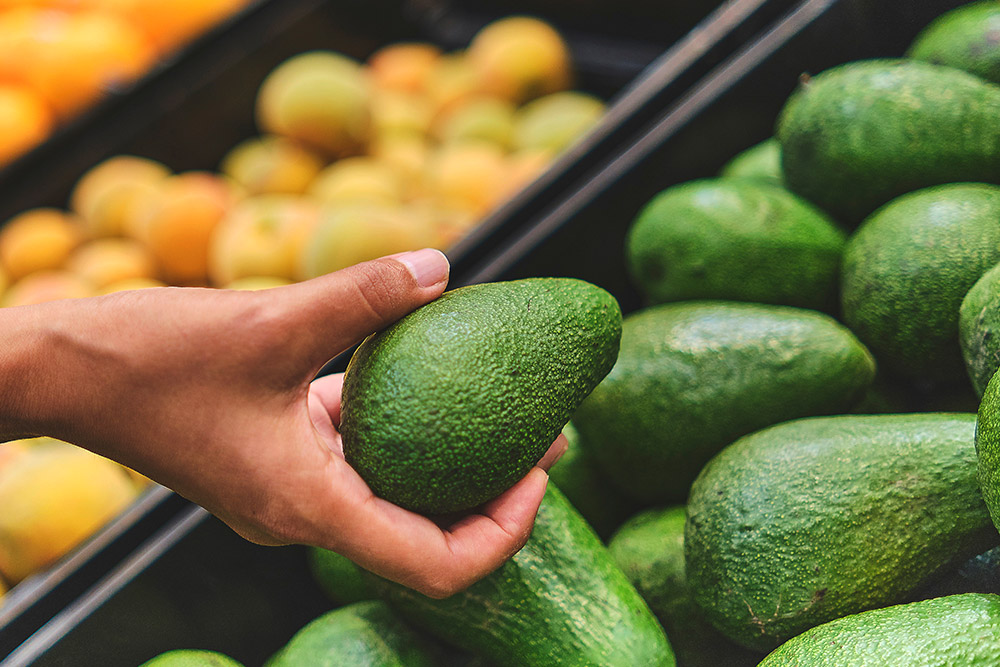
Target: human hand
[[209, 392]]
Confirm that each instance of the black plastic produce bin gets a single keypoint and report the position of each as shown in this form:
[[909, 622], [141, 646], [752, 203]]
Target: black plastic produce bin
[[190, 111]]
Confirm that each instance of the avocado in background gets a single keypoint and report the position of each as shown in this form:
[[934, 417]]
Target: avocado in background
[[454, 403], [965, 38], [338, 576], [979, 574], [907, 269], [693, 377], [957, 630], [364, 633], [858, 135], [559, 602], [592, 495], [736, 240], [760, 163], [819, 518], [988, 447], [649, 549], [191, 658], [979, 329]]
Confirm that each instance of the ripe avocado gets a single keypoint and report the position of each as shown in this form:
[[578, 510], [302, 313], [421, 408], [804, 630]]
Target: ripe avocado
[[693, 377], [988, 447], [966, 38], [734, 239], [191, 658], [338, 576], [979, 329], [454, 403], [906, 270], [954, 630], [818, 518], [861, 134], [649, 549], [364, 633], [558, 602], [761, 163]]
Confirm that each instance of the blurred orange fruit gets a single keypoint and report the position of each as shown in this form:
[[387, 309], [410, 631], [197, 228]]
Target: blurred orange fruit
[[468, 176], [131, 284], [555, 122], [36, 240], [254, 283], [25, 121], [452, 80], [477, 118], [169, 24], [105, 197], [46, 286], [357, 180], [271, 165], [404, 66], [520, 58], [106, 261]]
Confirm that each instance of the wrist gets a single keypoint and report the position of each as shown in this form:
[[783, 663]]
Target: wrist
[[25, 367]]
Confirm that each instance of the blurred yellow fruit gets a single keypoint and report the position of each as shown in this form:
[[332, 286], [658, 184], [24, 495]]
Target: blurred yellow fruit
[[357, 180], [477, 118], [38, 240], [520, 58], [105, 197], [261, 236], [271, 165], [10, 452], [395, 112], [45, 286], [131, 284], [106, 261], [406, 154], [468, 176], [320, 98], [524, 167], [556, 121], [25, 121], [404, 66], [178, 222], [53, 499], [253, 283], [169, 24], [351, 234], [452, 81]]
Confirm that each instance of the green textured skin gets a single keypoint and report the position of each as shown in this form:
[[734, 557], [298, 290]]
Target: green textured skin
[[953, 631], [693, 377], [451, 405], [338, 576], [649, 549], [191, 658], [559, 602], [988, 448], [907, 269], [761, 163], [966, 38], [859, 135], [364, 634], [819, 518], [737, 240], [578, 477], [979, 329]]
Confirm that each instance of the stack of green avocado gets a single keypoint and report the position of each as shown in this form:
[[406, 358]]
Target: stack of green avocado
[[784, 459]]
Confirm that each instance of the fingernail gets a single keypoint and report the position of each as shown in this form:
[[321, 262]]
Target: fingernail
[[552, 456], [428, 267]]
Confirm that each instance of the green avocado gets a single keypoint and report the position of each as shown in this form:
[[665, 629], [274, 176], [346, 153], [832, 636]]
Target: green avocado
[[761, 163], [191, 658], [819, 518], [364, 634], [737, 240], [966, 38], [979, 329], [988, 447], [952, 631], [907, 269], [338, 576], [559, 602], [861, 134], [693, 377], [451, 405], [649, 549]]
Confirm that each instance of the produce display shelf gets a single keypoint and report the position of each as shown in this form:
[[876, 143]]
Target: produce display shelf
[[212, 84]]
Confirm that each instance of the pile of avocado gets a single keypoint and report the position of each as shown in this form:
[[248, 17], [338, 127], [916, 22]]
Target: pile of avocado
[[784, 466]]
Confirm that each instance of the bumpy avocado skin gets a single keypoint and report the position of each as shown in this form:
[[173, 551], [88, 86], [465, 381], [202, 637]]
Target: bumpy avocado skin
[[966, 38], [338, 576], [954, 630], [454, 403], [988, 447], [760, 163], [979, 329], [736, 240], [649, 549], [858, 135], [693, 377], [364, 633], [907, 269], [559, 602], [815, 519], [191, 658]]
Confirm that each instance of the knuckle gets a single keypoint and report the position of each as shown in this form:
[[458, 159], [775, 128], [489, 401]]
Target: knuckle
[[377, 286]]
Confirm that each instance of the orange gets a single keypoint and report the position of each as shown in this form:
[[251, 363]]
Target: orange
[[479, 119], [169, 24], [46, 286], [357, 179], [271, 165], [405, 67], [398, 112], [453, 80], [106, 261], [468, 177], [37, 240], [406, 155], [25, 121], [106, 195], [520, 58]]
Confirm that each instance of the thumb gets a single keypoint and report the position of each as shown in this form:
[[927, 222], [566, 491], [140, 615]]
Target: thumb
[[341, 308]]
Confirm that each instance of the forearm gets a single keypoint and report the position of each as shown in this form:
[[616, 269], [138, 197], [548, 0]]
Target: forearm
[[25, 373]]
